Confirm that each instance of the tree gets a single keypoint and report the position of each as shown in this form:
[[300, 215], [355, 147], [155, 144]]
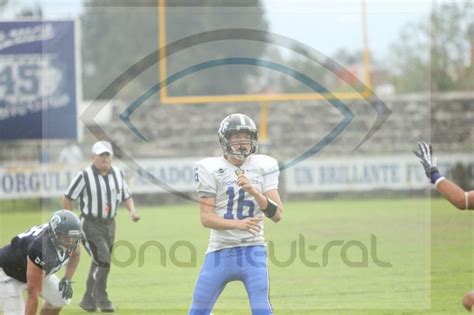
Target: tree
[[452, 41], [3, 4], [411, 70], [439, 50]]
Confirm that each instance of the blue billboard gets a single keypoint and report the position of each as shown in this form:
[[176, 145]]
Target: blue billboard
[[38, 80]]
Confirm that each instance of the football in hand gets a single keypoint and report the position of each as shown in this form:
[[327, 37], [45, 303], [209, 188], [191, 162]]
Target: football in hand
[[468, 300]]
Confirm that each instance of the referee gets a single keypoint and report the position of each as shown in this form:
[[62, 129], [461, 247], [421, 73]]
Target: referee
[[100, 189]]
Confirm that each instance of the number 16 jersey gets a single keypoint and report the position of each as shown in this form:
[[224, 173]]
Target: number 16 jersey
[[216, 177]]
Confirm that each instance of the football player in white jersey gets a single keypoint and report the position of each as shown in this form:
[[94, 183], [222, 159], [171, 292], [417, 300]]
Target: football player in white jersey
[[236, 191]]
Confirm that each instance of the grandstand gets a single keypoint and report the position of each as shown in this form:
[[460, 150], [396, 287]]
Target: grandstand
[[172, 130]]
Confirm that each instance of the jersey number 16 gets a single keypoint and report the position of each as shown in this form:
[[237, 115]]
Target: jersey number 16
[[241, 203]]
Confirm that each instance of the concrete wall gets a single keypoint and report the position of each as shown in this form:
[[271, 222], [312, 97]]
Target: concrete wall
[[191, 130]]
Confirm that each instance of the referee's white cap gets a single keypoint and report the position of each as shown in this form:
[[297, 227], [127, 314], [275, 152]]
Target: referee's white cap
[[102, 147]]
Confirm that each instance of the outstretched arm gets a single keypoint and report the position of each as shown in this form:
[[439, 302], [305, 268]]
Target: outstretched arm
[[463, 200]]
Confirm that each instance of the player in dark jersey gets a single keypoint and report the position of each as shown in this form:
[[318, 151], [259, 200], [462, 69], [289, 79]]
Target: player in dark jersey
[[30, 261]]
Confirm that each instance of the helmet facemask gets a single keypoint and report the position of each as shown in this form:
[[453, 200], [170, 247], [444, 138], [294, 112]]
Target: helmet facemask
[[65, 231], [68, 241], [240, 148]]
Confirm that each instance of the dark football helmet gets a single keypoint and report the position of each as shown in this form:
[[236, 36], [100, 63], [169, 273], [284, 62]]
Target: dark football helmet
[[65, 230], [237, 123]]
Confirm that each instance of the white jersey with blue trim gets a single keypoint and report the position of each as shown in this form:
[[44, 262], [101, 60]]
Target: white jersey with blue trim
[[217, 177]]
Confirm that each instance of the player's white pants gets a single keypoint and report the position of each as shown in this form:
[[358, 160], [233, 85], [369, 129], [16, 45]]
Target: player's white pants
[[11, 294]]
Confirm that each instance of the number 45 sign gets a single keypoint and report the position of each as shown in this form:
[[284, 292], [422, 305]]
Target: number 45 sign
[[38, 95]]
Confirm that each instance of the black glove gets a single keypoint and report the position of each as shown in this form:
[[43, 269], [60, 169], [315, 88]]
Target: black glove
[[65, 286], [428, 161]]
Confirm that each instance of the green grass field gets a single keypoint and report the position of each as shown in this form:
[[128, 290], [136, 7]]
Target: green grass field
[[427, 244]]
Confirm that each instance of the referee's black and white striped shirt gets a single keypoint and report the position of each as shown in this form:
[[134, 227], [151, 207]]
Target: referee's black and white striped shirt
[[99, 196]]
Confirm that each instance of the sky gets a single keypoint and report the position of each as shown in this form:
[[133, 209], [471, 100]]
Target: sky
[[322, 24], [343, 21]]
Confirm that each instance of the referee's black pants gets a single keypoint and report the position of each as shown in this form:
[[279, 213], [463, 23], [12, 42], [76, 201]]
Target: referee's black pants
[[99, 236]]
